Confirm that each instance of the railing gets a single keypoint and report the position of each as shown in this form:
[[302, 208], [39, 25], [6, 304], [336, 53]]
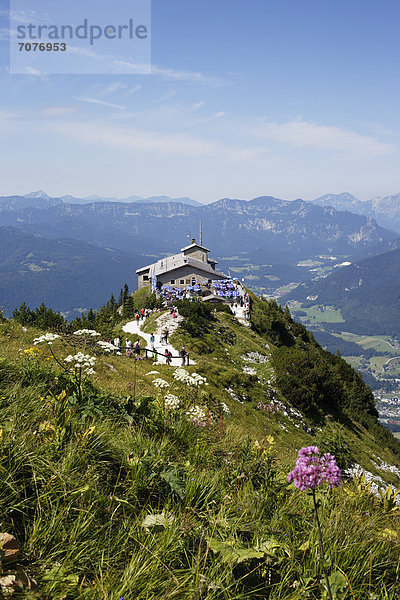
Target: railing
[[150, 351]]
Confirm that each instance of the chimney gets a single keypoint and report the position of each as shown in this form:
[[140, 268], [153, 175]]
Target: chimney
[[193, 241]]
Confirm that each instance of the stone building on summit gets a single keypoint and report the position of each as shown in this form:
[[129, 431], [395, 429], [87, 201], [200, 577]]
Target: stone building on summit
[[192, 266]]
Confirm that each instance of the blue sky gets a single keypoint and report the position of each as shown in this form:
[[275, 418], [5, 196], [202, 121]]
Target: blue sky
[[289, 98]]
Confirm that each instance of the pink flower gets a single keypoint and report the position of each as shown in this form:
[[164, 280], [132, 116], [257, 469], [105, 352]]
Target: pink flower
[[314, 469]]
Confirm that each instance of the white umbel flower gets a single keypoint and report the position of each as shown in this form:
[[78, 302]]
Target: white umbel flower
[[171, 402], [47, 337], [107, 347], [197, 416], [225, 409], [89, 332], [82, 361], [193, 379], [160, 383]]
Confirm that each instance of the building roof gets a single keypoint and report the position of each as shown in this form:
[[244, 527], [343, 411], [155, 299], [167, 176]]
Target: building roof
[[143, 269], [170, 263], [195, 245], [211, 297]]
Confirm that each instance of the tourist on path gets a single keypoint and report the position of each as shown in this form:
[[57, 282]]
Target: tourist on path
[[117, 344], [168, 356], [128, 346], [153, 348], [183, 354], [164, 336]]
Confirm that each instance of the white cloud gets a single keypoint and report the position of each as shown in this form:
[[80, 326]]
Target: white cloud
[[36, 74], [196, 106], [113, 87], [22, 16], [86, 52], [5, 34], [173, 74], [168, 96], [305, 134], [160, 115], [101, 103], [133, 90], [186, 76], [209, 119], [152, 142], [127, 67], [57, 111]]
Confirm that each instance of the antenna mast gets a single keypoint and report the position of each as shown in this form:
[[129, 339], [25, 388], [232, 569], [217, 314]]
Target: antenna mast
[[201, 233]]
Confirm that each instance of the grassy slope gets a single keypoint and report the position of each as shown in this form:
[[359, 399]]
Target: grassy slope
[[76, 497]]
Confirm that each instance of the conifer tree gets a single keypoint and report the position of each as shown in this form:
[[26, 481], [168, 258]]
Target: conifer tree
[[111, 304], [23, 315], [125, 293], [91, 319], [128, 308], [120, 298]]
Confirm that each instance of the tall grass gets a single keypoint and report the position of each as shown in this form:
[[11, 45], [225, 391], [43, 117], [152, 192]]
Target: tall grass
[[150, 507], [77, 503]]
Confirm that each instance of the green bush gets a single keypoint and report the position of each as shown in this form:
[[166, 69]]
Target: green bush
[[332, 439]]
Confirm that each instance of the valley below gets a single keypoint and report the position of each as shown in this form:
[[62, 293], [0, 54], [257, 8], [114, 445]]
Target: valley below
[[376, 357]]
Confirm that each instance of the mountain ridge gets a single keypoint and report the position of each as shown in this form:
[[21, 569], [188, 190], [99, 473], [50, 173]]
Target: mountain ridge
[[265, 239], [40, 194], [262, 222], [63, 273], [385, 210]]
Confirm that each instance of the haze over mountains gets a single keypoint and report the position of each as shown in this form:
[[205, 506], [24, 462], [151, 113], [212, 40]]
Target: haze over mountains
[[286, 231], [40, 199], [264, 240], [386, 210]]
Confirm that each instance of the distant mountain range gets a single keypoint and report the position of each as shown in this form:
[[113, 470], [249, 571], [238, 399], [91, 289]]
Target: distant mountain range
[[367, 293], [264, 240], [67, 275], [386, 210], [285, 232], [40, 199]]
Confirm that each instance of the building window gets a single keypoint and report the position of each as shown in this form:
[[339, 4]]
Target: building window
[[145, 277], [210, 281], [172, 281], [182, 281], [188, 281]]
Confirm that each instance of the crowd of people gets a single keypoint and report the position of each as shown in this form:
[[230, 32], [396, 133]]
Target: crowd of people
[[133, 349], [227, 289], [173, 294]]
